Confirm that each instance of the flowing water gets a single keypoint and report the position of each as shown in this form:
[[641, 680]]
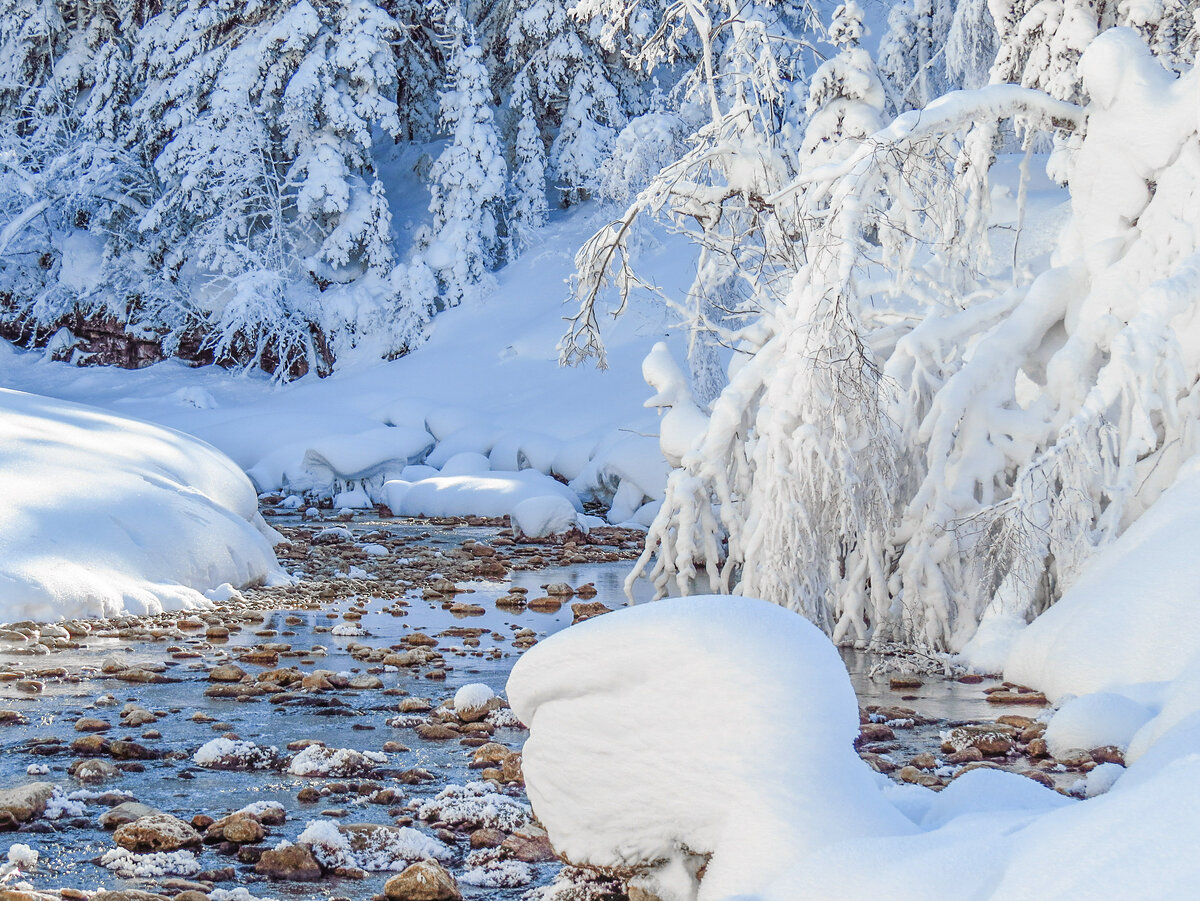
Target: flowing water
[[178, 786]]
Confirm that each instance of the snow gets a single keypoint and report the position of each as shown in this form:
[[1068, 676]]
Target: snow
[[128, 865], [317, 760], [537, 517], [472, 696], [1133, 615], [106, 515], [371, 848], [23, 856], [228, 753], [620, 768], [494, 495], [475, 805], [1094, 720]]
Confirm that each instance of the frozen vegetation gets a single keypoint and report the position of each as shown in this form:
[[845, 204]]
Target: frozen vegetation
[[878, 319]]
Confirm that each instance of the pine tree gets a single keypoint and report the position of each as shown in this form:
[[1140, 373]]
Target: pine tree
[[468, 180], [527, 212], [845, 99], [589, 128], [912, 52], [570, 88], [971, 45]]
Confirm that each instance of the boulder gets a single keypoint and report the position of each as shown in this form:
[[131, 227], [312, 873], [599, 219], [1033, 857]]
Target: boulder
[[156, 832], [425, 880], [26, 801], [293, 862], [125, 813]]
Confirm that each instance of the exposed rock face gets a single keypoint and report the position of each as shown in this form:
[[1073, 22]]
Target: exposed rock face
[[157, 832], [26, 801], [424, 880]]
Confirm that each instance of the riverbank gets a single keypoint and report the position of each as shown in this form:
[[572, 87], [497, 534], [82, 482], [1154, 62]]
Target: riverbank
[[202, 715]]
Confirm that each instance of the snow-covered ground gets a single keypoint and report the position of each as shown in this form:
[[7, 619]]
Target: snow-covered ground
[[104, 514], [482, 408], [777, 795]]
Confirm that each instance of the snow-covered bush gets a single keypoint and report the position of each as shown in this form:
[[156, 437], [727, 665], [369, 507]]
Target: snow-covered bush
[[935, 422]]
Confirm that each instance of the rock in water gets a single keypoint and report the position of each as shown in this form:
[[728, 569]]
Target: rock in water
[[157, 832], [26, 801], [295, 862], [424, 880]]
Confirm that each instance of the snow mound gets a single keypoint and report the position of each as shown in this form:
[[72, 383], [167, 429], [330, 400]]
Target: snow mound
[[475, 805], [105, 515], [1134, 613], [493, 495], [370, 847], [542, 516], [128, 865], [228, 754], [316, 760], [727, 727], [625, 474], [472, 700], [1102, 718]]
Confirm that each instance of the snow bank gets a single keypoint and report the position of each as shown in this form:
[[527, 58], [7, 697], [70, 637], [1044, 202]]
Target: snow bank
[[625, 473], [538, 517], [1133, 615], [1102, 718], [105, 515], [716, 724], [495, 494]]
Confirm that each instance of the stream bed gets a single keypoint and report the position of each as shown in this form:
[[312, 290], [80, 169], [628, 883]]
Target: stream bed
[[351, 583]]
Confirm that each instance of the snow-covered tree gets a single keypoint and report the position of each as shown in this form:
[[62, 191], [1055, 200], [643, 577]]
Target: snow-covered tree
[[971, 44], [912, 54], [845, 98], [527, 212], [568, 84], [902, 455], [741, 76], [1043, 40], [585, 139], [468, 180]]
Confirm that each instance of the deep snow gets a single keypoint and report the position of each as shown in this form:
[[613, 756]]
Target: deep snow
[[104, 514]]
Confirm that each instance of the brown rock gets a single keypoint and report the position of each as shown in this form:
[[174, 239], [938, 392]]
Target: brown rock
[[991, 741], [436, 732], [425, 880], [966, 755], [226, 672], [26, 801], [1108, 754], [90, 724], [1075, 757], [94, 770], [295, 863], [1017, 697], [125, 813], [1038, 748], [157, 832], [89, 745], [587, 609], [531, 846], [870, 732], [487, 838]]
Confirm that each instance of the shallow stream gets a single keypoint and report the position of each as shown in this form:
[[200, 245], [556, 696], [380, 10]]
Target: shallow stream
[[181, 787]]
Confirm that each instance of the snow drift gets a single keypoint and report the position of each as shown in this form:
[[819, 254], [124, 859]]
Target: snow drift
[[106, 515], [718, 725]]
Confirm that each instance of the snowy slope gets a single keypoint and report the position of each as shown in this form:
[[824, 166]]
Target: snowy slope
[[104, 515], [486, 381]]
